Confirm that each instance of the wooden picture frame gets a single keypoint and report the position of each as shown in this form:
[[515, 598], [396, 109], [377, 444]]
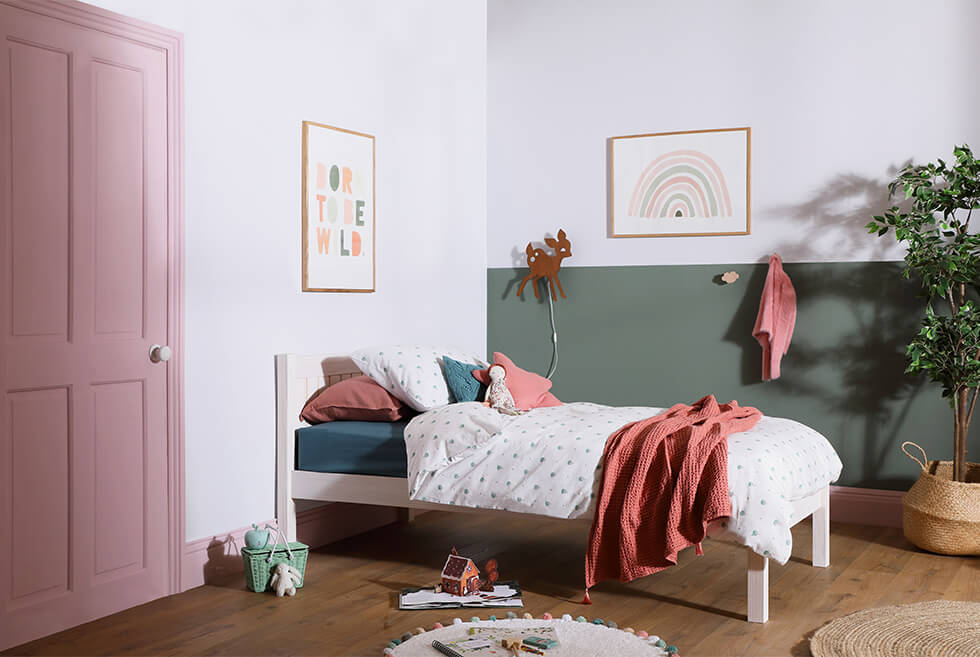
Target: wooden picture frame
[[681, 184], [338, 209]]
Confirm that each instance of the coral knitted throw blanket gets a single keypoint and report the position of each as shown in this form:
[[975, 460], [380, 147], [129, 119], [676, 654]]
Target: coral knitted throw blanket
[[664, 479]]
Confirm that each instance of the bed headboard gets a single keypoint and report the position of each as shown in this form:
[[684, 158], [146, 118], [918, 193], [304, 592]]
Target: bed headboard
[[298, 376]]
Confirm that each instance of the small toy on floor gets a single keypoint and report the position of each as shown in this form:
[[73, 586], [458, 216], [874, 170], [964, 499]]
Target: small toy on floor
[[256, 538], [486, 585], [542, 643], [460, 576], [284, 579]]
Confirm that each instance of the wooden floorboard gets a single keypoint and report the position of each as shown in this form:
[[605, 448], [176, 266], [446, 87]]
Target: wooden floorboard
[[349, 604]]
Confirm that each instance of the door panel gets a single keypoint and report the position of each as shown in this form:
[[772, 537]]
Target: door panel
[[120, 444], [41, 511], [39, 152], [84, 162], [118, 189]]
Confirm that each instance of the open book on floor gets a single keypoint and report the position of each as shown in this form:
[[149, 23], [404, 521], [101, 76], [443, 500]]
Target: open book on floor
[[505, 594]]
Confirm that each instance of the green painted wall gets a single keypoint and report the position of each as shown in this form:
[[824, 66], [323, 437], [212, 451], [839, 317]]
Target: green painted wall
[[657, 335]]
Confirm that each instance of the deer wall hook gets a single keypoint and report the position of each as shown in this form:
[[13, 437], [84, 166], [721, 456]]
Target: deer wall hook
[[545, 265]]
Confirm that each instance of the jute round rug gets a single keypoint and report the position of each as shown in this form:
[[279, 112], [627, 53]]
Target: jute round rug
[[924, 629]]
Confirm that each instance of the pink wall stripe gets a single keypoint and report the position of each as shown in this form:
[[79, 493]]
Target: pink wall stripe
[[866, 506]]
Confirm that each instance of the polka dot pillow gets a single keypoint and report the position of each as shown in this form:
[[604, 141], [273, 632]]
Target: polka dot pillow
[[412, 373]]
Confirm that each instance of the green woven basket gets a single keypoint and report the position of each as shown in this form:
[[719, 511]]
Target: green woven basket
[[258, 567]]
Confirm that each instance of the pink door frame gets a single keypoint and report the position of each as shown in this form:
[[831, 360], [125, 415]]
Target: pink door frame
[[170, 42]]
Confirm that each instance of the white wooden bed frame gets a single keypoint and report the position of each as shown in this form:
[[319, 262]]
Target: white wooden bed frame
[[299, 376]]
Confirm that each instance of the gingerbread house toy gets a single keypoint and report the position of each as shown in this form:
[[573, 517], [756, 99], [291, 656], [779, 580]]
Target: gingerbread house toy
[[460, 576]]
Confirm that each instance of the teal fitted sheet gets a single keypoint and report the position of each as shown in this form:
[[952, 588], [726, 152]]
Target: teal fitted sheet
[[346, 447]]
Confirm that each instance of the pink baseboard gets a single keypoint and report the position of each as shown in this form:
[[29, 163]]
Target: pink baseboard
[[866, 506], [333, 522], [210, 559]]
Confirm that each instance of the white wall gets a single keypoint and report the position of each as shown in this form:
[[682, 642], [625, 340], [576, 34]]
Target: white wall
[[838, 93], [412, 73]]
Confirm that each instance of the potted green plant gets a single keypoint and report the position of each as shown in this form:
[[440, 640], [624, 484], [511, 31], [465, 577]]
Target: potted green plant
[[941, 512]]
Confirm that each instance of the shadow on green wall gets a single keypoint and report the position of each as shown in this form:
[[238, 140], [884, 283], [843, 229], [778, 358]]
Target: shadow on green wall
[[882, 313]]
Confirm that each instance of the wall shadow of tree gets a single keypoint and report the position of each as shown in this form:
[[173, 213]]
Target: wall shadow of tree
[[873, 386], [882, 311]]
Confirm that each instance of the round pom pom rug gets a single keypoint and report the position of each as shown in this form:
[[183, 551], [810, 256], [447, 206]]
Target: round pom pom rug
[[579, 638], [924, 629]]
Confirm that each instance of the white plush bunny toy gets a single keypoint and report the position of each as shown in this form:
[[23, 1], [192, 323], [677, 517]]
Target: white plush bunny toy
[[284, 579]]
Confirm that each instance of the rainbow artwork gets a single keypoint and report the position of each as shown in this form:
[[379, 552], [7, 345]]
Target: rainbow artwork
[[682, 183], [686, 183]]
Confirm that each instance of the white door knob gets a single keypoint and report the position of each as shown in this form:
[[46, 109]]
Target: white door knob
[[160, 354]]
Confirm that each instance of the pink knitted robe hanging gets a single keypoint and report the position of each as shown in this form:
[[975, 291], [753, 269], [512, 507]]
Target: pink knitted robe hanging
[[777, 318]]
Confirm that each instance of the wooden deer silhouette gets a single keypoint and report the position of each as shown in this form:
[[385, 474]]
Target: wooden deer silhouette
[[544, 265]]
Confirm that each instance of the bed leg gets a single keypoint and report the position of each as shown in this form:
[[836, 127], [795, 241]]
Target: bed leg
[[758, 588], [406, 516], [286, 518], [821, 531], [286, 389]]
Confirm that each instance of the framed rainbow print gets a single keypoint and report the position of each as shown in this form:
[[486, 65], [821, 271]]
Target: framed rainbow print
[[679, 184], [338, 209]]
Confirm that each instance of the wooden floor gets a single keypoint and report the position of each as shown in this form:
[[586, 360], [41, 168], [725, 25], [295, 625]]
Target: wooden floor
[[349, 604]]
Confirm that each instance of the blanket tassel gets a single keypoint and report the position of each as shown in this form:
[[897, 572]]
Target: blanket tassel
[[586, 600], [698, 550]]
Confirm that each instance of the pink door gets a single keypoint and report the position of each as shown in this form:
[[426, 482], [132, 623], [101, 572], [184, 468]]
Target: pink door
[[84, 526]]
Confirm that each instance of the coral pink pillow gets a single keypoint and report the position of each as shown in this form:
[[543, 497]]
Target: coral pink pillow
[[528, 389], [360, 398], [547, 399]]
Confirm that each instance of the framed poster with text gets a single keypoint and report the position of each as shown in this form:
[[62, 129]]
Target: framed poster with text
[[338, 209]]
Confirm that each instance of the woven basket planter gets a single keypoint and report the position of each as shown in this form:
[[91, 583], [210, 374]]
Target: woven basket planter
[[939, 514]]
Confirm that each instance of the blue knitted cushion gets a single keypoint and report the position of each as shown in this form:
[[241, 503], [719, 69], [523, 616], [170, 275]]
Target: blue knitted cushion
[[461, 383]]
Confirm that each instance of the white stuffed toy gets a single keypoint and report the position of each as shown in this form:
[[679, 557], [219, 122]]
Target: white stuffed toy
[[285, 578], [498, 395]]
